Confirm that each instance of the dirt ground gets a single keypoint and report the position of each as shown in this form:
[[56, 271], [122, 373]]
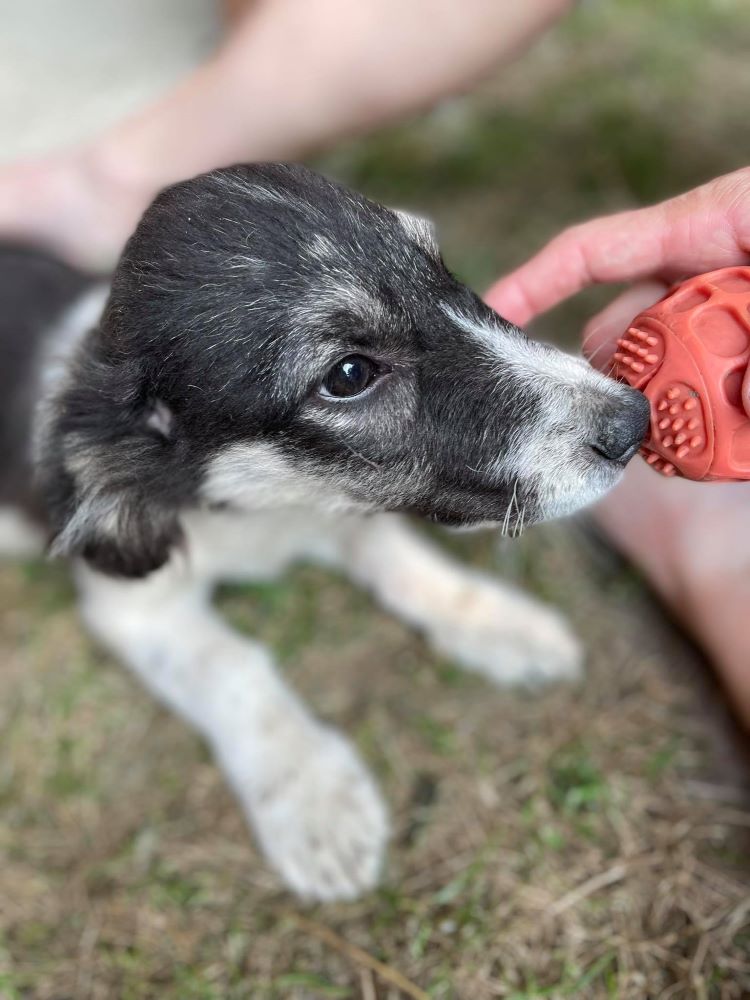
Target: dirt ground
[[586, 843]]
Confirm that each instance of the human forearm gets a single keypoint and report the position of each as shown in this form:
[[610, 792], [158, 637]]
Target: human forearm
[[296, 75]]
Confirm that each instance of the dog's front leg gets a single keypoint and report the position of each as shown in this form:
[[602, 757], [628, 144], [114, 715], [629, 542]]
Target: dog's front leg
[[488, 627], [314, 807]]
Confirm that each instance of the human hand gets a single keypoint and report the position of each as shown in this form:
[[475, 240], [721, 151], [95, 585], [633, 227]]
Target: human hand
[[700, 231]]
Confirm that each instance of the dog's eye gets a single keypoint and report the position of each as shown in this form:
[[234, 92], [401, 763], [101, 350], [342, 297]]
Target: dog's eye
[[349, 377]]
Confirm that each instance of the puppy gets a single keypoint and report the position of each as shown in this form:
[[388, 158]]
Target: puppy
[[281, 371]]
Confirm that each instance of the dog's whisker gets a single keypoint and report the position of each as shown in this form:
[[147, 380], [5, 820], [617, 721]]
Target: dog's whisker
[[509, 511], [523, 518], [504, 525], [588, 338], [596, 353], [517, 522]]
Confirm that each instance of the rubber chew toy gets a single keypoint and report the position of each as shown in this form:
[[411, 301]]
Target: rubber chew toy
[[688, 355]]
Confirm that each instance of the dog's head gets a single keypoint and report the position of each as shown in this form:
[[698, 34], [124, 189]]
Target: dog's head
[[274, 339]]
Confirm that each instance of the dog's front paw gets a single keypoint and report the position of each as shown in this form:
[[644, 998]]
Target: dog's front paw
[[509, 638], [321, 821]]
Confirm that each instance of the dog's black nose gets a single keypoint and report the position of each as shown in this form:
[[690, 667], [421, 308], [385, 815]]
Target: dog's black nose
[[622, 427]]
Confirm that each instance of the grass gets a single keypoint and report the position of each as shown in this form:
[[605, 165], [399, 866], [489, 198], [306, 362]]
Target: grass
[[586, 843]]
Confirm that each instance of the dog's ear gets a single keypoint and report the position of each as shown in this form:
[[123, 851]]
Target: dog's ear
[[108, 466], [422, 231]]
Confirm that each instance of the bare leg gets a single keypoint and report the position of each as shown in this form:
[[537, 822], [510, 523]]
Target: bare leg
[[314, 807], [488, 627], [691, 542], [291, 77]]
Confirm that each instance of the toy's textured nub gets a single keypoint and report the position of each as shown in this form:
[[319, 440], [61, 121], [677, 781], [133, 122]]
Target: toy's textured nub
[[688, 354]]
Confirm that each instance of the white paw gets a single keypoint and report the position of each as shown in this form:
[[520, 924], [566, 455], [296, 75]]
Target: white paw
[[321, 822], [509, 638]]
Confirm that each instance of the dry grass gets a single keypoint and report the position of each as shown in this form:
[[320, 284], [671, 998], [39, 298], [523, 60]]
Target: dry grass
[[587, 843], [578, 843]]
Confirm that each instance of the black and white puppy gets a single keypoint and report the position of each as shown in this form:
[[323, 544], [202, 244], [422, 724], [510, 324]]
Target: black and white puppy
[[281, 369]]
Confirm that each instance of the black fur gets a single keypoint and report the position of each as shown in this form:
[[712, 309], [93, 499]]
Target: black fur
[[234, 297], [35, 289]]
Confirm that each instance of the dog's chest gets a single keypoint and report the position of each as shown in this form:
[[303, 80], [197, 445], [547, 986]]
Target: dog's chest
[[229, 545]]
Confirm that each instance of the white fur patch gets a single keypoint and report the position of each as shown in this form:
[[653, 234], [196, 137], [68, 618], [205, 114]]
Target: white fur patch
[[420, 230], [332, 293], [258, 477], [528, 359], [60, 344], [486, 626], [160, 419], [64, 337], [314, 807], [321, 249]]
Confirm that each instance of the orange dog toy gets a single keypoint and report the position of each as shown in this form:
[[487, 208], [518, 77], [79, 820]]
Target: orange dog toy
[[688, 354]]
